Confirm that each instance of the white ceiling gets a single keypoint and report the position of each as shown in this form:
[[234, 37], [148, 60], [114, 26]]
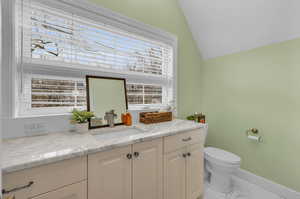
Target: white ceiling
[[223, 27]]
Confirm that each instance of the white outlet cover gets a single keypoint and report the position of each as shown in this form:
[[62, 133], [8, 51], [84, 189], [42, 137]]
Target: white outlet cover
[[34, 129]]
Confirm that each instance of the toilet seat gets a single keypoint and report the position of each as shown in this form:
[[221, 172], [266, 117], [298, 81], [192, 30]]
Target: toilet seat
[[222, 157]]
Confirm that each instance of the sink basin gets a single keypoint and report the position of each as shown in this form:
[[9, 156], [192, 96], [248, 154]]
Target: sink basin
[[118, 133]]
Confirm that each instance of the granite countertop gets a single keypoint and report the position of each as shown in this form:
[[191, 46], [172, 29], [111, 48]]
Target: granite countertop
[[27, 152]]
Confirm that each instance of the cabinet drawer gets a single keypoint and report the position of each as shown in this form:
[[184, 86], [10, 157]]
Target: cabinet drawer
[[175, 142], [46, 178], [74, 191]]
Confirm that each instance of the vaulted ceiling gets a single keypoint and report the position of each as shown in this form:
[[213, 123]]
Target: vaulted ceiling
[[223, 27]]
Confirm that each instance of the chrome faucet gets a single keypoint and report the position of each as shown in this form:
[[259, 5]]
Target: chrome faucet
[[110, 118]]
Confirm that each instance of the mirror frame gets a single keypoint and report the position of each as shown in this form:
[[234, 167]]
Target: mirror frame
[[87, 77]]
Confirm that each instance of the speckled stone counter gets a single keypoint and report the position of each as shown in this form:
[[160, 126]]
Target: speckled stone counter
[[27, 152]]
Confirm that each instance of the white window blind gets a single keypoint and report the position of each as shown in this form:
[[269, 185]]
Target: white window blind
[[46, 92], [54, 40], [144, 94]]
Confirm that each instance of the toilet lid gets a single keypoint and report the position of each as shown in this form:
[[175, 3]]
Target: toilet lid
[[221, 155]]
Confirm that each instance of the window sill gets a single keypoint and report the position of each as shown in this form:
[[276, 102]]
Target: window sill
[[131, 109], [42, 116]]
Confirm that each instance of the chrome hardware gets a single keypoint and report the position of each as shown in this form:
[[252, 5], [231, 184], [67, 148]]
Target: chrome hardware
[[252, 133], [110, 118], [129, 156], [136, 154], [252, 130], [9, 197], [17, 188], [186, 139]]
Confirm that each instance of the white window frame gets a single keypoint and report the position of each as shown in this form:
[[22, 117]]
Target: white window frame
[[82, 8]]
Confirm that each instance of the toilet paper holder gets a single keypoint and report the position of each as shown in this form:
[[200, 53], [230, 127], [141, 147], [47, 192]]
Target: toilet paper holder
[[252, 134]]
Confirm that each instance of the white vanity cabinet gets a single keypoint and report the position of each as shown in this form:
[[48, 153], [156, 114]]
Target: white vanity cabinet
[[65, 179], [169, 167], [183, 165], [74, 191], [109, 174], [195, 171], [175, 175], [133, 171], [147, 170]]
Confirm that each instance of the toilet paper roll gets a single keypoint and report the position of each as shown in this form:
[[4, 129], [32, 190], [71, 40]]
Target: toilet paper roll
[[255, 138]]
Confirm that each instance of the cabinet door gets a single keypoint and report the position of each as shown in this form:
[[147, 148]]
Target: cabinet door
[[147, 170], [109, 174], [29, 183], [42, 179], [195, 171], [74, 191], [175, 175]]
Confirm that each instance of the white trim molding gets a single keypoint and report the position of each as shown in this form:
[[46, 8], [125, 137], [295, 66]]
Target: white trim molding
[[1, 100], [268, 185], [94, 10], [8, 75]]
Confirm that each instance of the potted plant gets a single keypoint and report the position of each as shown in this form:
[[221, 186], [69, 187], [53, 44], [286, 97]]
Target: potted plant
[[80, 120]]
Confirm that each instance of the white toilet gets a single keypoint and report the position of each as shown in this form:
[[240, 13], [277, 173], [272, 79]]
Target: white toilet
[[221, 165]]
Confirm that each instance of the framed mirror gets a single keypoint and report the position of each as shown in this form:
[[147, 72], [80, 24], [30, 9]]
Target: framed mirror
[[104, 95]]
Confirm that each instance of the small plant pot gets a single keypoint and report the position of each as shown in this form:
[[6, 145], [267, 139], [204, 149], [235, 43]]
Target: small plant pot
[[81, 127]]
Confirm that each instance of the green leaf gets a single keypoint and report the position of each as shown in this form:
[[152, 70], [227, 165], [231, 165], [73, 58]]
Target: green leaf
[[79, 116]]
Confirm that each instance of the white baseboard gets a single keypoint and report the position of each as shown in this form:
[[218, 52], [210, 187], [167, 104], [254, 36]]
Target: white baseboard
[[268, 185]]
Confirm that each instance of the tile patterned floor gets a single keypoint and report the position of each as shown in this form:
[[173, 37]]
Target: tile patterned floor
[[241, 190], [211, 194]]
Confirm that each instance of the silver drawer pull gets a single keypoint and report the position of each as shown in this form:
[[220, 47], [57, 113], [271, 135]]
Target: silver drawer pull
[[186, 139], [17, 188]]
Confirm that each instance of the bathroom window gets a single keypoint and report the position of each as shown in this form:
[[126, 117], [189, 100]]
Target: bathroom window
[[144, 94], [57, 47]]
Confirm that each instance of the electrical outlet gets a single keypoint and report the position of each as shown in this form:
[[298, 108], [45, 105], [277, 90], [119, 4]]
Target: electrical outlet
[[34, 128]]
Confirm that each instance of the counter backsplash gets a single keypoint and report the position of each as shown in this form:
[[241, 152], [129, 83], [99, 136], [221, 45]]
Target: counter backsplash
[[31, 126]]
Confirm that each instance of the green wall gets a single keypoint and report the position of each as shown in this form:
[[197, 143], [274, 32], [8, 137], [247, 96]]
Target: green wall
[[259, 88], [166, 15]]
